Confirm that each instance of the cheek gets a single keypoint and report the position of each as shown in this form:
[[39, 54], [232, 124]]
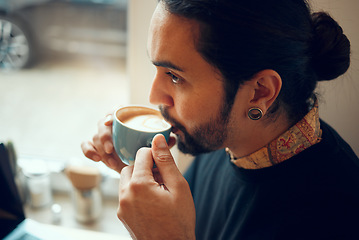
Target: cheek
[[188, 112], [198, 109]]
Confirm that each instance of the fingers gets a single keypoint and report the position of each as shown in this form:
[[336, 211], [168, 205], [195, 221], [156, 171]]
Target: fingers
[[143, 164], [114, 162], [90, 152], [105, 135], [97, 144], [165, 162], [101, 147], [108, 120], [126, 175]]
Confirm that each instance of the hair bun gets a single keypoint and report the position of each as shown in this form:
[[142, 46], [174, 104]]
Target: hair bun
[[330, 47]]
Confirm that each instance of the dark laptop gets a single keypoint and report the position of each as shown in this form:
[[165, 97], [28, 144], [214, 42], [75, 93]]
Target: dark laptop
[[13, 224]]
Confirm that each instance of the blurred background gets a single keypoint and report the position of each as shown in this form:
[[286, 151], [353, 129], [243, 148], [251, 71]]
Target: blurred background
[[65, 66], [67, 63]]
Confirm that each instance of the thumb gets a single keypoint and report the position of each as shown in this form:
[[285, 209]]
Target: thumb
[[164, 161]]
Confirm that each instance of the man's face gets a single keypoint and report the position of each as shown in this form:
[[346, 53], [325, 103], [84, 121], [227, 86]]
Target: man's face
[[188, 89]]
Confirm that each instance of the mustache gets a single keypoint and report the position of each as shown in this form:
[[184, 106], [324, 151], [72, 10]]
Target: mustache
[[168, 118]]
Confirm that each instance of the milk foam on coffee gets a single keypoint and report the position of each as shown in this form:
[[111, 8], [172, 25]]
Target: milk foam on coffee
[[147, 123]]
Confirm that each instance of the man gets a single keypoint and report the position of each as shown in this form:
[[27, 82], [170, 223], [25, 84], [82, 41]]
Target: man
[[285, 174]]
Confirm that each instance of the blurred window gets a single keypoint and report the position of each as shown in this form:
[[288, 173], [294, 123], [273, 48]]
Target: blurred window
[[62, 68]]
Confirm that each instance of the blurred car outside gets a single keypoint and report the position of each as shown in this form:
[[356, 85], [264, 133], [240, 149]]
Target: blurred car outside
[[31, 28]]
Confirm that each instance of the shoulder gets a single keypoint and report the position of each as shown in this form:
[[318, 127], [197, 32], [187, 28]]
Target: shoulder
[[331, 162], [333, 146]]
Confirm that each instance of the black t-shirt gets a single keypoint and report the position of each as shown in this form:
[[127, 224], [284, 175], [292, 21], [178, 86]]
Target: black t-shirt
[[313, 195]]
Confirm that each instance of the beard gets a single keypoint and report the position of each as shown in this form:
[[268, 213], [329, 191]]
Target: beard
[[203, 138]]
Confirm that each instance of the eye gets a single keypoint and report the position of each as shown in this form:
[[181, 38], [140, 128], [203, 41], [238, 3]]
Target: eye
[[174, 78]]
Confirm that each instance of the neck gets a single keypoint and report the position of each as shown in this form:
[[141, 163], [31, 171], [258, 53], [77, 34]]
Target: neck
[[255, 135]]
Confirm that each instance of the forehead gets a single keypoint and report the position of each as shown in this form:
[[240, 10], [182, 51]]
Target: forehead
[[170, 33]]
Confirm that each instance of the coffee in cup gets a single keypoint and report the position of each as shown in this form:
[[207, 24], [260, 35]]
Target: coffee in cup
[[134, 127]]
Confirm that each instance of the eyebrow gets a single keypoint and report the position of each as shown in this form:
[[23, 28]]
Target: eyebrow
[[167, 64]]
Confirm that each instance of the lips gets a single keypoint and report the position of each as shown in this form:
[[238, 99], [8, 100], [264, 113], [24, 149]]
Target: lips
[[174, 129]]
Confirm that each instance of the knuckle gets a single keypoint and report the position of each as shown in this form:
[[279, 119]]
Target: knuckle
[[123, 203], [95, 138], [120, 214], [135, 187], [163, 157], [104, 137]]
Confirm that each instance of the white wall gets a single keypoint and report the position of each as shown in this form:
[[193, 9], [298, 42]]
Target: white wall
[[339, 104], [140, 69]]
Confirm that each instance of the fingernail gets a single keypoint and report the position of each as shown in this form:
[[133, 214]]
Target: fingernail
[[161, 142], [108, 147]]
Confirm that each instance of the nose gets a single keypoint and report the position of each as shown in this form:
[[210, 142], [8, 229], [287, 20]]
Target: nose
[[160, 94]]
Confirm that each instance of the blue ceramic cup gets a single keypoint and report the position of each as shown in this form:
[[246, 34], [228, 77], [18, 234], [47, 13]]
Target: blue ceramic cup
[[135, 127]]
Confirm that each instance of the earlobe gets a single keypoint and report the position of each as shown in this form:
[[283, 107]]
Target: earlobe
[[255, 113], [267, 85]]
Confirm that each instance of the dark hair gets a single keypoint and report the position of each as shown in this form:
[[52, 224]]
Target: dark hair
[[243, 37]]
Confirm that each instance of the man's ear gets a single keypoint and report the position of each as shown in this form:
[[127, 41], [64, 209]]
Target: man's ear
[[266, 87]]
